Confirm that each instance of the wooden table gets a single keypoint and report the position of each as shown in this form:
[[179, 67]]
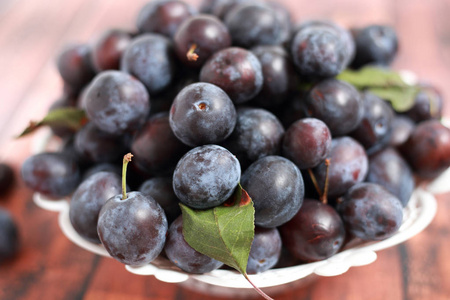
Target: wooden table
[[50, 267]]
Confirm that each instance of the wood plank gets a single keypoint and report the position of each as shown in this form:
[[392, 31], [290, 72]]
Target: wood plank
[[27, 44], [41, 89], [421, 48], [426, 265]]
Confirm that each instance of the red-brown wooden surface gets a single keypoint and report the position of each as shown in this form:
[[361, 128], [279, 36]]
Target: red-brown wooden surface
[[50, 267]]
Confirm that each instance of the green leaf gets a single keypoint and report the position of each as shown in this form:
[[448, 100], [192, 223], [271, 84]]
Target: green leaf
[[70, 117], [372, 77], [224, 233], [401, 99], [385, 83]]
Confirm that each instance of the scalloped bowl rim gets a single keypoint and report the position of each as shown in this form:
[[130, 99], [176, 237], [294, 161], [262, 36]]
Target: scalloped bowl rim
[[418, 214]]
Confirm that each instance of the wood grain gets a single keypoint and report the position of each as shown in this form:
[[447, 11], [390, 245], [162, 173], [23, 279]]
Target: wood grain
[[50, 267]]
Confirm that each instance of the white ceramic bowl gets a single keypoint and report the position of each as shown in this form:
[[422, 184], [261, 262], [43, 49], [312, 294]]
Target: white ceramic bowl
[[418, 214]]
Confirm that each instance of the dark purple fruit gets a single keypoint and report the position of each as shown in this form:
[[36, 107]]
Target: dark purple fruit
[[205, 34], [320, 50], [95, 145], [315, 233], [137, 218], [184, 256], [388, 169], [155, 148], [55, 175], [345, 36], [284, 16], [402, 127], [6, 178], [278, 73], [428, 149], [206, 176], [375, 44], [150, 58], [202, 113], [116, 102], [161, 189], [222, 7], [108, 48], [258, 133], [374, 130], [427, 105], [276, 187], [9, 236], [337, 103], [235, 70], [164, 16], [265, 250], [307, 143], [370, 212], [87, 201], [74, 66], [254, 24], [348, 166]]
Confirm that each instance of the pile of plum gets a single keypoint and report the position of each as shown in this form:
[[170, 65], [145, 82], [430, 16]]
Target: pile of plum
[[234, 93]]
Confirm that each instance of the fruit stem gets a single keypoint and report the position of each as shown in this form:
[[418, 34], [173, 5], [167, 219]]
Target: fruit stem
[[314, 180], [126, 159], [323, 197], [191, 55], [264, 295]]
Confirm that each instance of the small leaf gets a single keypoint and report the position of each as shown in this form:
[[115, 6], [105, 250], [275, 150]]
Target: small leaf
[[386, 84], [224, 233], [70, 117], [401, 99], [372, 77]]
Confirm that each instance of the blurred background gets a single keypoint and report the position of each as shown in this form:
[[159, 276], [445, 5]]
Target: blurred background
[[48, 266]]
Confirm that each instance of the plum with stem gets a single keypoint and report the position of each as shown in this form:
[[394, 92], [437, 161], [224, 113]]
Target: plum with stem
[[132, 217]]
